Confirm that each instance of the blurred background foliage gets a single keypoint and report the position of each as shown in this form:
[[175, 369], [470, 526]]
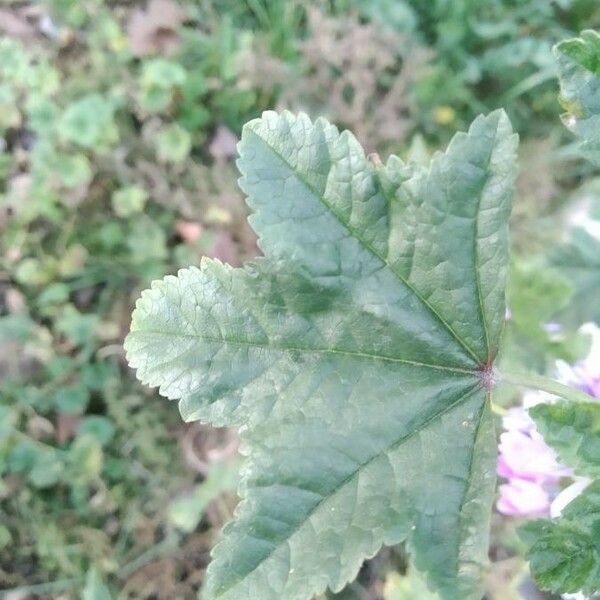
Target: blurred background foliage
[[118, 126]]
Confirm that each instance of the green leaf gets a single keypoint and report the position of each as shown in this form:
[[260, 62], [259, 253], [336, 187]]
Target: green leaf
[[173, 143], [579, 260], [406, 587], [585, 509], [147, 241], [47, 470], [127, 201], [158, 79], [355, 357], [5, 537], [396, 15], [579, 72], [564, 553], [185, 512], [88, 122], [98, 427], [86, 459], [95, 588], [42, 114], [573, 430], [536, 294]]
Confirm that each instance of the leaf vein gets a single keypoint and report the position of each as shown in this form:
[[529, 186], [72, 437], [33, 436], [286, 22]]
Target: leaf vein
[[306, 350], [356, 235], [360, 467]]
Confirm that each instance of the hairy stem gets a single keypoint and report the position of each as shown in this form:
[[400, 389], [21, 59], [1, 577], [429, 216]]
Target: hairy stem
[[545, 384]]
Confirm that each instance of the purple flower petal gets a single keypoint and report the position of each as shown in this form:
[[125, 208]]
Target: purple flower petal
[[528, 457], [520, 498], [517, 418]]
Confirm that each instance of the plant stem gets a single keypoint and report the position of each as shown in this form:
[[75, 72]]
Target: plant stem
[[545, 384], [49, 587], [166, 546]]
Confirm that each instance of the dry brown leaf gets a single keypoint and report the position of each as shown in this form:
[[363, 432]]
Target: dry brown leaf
[[346, 61], [66, 426], [14, 24], [154, 30], [189, 231], [258, 69], [202, 446], [15, 301], [225, 248], [223, 144], [39, 427]]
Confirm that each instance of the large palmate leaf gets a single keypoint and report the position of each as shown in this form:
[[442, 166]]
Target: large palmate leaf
[[579, 68], [355, 357]]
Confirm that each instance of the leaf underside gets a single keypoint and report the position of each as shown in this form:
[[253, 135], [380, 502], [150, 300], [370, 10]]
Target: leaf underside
[[351, 357]]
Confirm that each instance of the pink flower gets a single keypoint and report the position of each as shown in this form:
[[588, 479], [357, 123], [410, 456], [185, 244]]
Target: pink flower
[[517, 419], [526, 456], [531, 466], [521, 498], [585, 374]]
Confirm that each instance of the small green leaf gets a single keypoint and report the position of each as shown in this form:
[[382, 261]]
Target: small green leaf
[[159, 72], [185, 512], [22, 457], [56, 293], [579, 260], [47, 470], [536, 294], [407, 587], [88, 122], [78, 327], [72, 261], [585, 509], [354, 355], [579, 67], [158, 79], [127, 201], [562, 558], [71, 399], [573, 430], [86, 459], [95, 588], [147, 241], [564, 553], [173, 143], [9, 112], [98, 427], [5, 537], [42, 114], [73, 170], [32, 271]]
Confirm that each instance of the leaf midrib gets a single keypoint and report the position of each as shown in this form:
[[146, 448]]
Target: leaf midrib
[[308, 350], [369, 247], [461, 400]]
